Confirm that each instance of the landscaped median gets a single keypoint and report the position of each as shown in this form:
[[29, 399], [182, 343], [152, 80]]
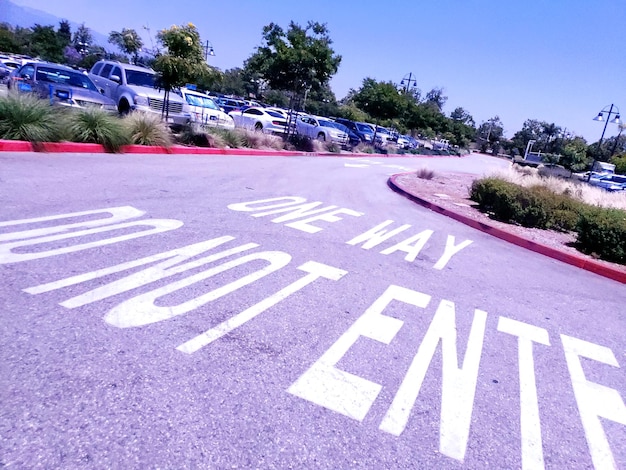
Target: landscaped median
[[516, 212]]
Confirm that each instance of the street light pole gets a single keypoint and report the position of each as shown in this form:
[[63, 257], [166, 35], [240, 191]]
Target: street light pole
[[208, 50], [408, 82], [600, 117]]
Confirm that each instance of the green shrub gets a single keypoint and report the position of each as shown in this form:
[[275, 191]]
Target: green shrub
[[97, 126], [231, 138], [192, 134], [24, 117], [147, 129], [620, 164], [302, 143], [535, 206], [602, 232], [332, 147]]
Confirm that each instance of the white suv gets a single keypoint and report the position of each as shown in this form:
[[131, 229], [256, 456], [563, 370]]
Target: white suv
[[132, 87]]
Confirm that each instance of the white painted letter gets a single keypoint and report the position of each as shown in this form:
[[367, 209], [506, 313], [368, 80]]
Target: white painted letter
[[326, 385], [458, 384], [451, 250], [141, 310], [250, 206], [408, 247], [377, 235], [117, 214], [532, 450], [315, 270], [594, 400], [159, 225], [327, 216]]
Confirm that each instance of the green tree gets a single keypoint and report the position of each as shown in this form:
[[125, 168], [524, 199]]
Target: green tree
[[460, 115], [128, 41], [45, 44], [297, 60], [491, 134], [64, 33], [183, 62], [82, 39], [436, 98], [574, 155], [8, 41]]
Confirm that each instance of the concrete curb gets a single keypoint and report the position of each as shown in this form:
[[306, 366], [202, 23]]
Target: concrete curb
[[76, 147], [569, 258]]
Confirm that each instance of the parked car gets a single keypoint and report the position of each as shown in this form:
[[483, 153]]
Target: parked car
[[203, 110], [320, 128], [132, 87], [365, 132], [260, 119], [60, 84], [230, 104], [611, 183], [5, 71], [353, 139]]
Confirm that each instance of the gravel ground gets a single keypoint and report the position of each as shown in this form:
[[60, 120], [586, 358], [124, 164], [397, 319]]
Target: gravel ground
[[451, 191]]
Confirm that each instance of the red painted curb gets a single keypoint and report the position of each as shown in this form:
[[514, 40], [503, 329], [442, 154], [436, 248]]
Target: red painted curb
[[574, 260], [76, 147]]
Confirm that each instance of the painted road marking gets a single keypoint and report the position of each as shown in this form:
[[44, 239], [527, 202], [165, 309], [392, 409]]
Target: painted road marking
[[324, 384]]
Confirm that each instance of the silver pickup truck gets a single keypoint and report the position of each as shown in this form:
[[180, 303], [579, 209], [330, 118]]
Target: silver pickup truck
[[132, 88]]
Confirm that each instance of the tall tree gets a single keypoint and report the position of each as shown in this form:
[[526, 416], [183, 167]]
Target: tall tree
[[8, 41], [45, 44], [490, 134], [297, 60], [128, 41], [184, 60], [64, 33], [82, 39], [461, 115], [436, 98]]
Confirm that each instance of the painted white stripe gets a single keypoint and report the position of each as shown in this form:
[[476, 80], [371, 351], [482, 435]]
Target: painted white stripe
[[315, 270], [594, 401], [326, 385], [377, 235], [530, 423], [458, 384], [141, 310], [159, 225]]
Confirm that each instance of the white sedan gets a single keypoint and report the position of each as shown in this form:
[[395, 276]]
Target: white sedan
[[321, 129], [259, 119], [204, 110]]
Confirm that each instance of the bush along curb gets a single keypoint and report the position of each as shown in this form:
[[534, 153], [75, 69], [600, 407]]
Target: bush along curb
[[76, 147], [572, 259]]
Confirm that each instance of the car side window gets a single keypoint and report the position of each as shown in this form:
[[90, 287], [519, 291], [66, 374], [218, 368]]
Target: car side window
[[256, 112], [97, 68], [117, 71], [106, 70], [27, 72]]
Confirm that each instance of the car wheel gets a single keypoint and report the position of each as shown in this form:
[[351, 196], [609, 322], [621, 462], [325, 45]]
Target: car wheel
[[321, 136], [123, 107], [258, 127]]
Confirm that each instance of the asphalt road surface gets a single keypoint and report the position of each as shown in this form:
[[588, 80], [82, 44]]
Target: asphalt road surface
[[234, 312]]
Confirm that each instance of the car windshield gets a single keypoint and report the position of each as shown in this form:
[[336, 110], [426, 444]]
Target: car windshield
[[340, 126], [326, 123], [364, 128], [275, 114], [65, 77], [139, 78], [202, 101]]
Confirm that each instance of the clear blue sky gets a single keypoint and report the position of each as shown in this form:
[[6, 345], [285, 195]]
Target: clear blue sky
[[560, 61]]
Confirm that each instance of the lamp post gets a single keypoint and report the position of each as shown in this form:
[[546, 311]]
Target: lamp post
[[408, 81], [208, 50], [600, 118]]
